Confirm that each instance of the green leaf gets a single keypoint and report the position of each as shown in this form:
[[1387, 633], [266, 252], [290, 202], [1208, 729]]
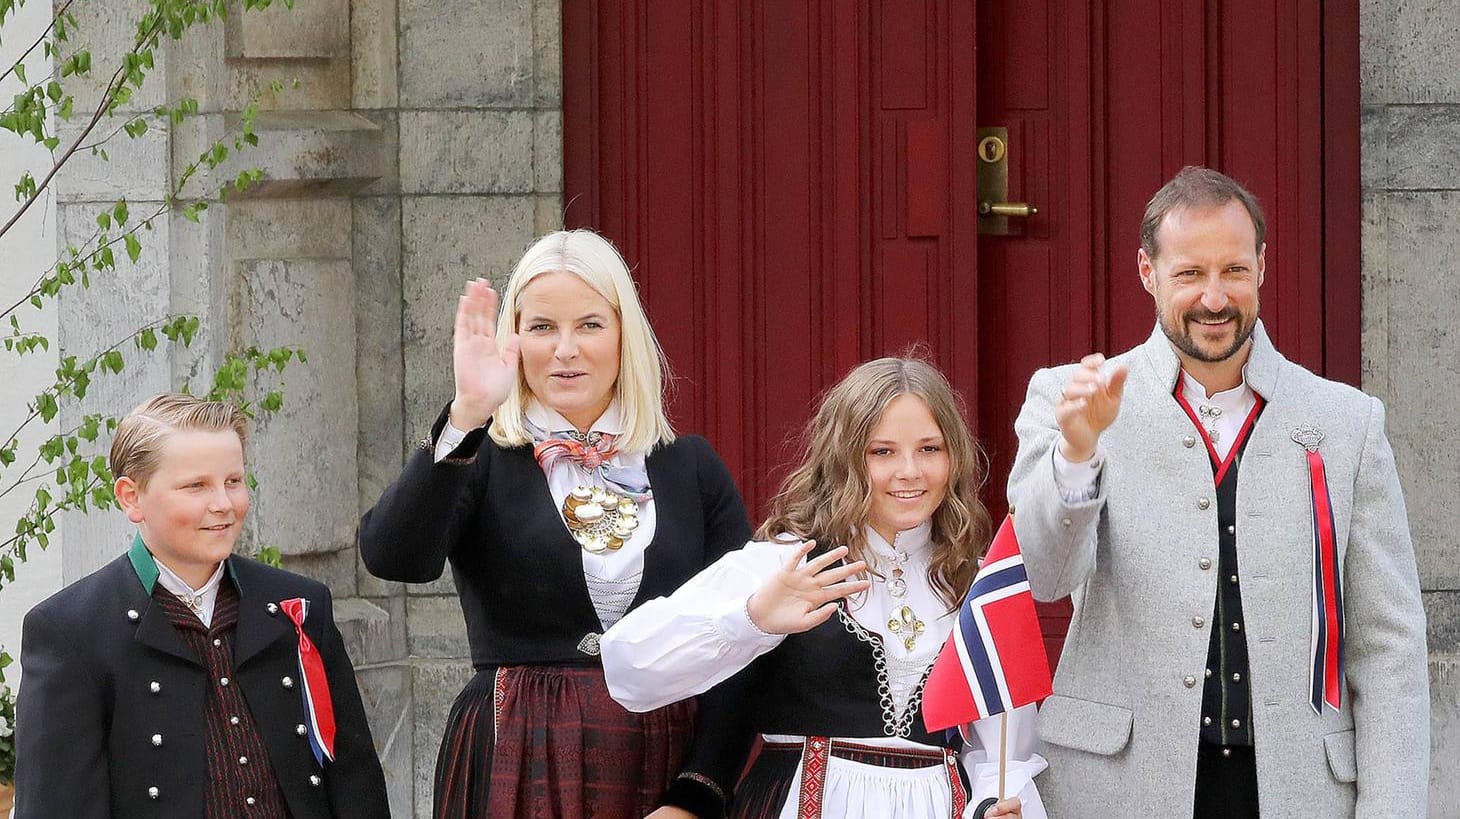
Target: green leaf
[[134, 246], [120, 212], [46, 405], [104, 220], [20, 72]]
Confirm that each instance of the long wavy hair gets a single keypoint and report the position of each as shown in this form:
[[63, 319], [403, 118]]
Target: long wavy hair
[[828, 496]]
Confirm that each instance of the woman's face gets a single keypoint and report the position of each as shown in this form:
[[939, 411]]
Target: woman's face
[[907, 466], [570, 346]]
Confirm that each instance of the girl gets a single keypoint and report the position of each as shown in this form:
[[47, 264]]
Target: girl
[[835, 656]]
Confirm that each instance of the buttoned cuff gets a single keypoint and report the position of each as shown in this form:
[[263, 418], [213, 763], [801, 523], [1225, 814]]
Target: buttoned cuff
[[1078, 482]]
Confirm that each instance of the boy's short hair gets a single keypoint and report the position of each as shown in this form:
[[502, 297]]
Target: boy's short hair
[[140, 435]]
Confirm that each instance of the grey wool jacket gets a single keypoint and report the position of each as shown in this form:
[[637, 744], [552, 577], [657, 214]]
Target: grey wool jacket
[[1121, 729]]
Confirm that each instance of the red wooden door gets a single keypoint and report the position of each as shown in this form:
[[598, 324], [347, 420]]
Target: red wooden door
[[795, 182]]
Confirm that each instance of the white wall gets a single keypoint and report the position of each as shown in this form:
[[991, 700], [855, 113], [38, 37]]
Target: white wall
[[25, 251]]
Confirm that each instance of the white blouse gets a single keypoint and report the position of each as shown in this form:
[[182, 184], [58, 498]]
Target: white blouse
[[613, 577], [675, 647]]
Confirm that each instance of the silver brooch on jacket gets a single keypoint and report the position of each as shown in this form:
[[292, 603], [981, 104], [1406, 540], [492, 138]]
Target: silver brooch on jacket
[[1308, 436]]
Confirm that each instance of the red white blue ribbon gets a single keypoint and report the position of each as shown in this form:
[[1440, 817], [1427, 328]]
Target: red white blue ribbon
[[1326, 669], [319, 710]]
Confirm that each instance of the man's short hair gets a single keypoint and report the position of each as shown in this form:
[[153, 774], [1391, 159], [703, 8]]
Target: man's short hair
[[138, 442], [1196, 187]]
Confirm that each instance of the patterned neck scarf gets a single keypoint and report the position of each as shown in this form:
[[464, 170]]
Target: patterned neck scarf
[[591, 451]]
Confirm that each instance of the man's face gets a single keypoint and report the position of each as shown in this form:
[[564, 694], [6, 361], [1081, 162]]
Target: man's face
[[1205, 279]]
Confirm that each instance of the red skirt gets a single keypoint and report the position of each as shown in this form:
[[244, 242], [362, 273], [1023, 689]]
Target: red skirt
[[548, 742]]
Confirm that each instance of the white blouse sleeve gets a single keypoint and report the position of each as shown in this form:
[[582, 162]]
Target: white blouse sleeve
[[980, 757], [675, 647]]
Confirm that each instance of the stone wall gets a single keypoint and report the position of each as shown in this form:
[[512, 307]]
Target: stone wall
[[1410, 56]]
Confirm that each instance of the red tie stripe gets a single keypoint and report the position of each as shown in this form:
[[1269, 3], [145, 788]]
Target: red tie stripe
[[1326, 679], [319, 711]]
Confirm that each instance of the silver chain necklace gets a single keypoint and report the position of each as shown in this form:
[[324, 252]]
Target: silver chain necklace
[[894, 724]]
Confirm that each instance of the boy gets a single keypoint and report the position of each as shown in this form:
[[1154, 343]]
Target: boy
[[173, 681]]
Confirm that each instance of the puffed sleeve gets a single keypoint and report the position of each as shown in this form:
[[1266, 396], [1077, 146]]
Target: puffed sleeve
[[980, 756], [678, 646]]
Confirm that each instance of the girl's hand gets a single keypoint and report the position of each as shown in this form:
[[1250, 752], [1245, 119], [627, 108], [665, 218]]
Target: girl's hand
[[801, 597]]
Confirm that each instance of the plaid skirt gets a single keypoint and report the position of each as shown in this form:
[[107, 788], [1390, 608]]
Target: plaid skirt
[[548, 742]]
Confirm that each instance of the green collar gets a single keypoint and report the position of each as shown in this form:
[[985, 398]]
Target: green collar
[[145, 565]]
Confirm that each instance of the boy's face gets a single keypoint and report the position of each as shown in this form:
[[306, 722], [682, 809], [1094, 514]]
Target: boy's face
[[191, 511]]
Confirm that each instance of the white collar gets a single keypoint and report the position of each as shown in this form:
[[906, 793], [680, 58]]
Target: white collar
[[1231, 401], [610, 422], [200, 600], [912, 541]]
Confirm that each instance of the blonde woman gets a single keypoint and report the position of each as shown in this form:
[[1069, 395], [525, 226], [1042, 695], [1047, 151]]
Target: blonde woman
[[837, 642], [556, 489]]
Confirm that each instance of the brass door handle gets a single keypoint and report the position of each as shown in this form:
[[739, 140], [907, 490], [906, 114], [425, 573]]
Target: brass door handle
[[1022, 209]]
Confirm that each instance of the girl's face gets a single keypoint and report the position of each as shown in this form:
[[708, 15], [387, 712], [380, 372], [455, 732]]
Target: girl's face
[[907, 466]]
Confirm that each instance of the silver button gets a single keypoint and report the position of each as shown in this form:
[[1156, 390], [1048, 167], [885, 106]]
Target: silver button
[[233, 720], [155, 687], [1205, 563], [1206, 720], [1231, 529], [1209, 672], [243, 760], [1236, 626], [249, 801], [133, 615], [1236, 723], [300, 729], [1198, 621], [1189, 681], [1188, 442], [217, 642], [287, 682], [1236, 677], [1226, 752], [157, 740], [314, 780], [1232, 580], [273, 608], [153, 792], [1203, 503], [1065, 522], [223, 681]]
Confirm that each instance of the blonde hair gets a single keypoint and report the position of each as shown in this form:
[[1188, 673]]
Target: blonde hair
[[642, 367], [137, 447], [828, 497]]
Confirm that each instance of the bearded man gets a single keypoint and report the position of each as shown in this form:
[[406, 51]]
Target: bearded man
[[1247, 635]]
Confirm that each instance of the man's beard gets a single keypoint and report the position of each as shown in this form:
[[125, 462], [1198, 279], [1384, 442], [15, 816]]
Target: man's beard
[[1186, 344]]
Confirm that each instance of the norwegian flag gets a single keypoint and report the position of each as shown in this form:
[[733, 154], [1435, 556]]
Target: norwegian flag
[[994, 660]]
